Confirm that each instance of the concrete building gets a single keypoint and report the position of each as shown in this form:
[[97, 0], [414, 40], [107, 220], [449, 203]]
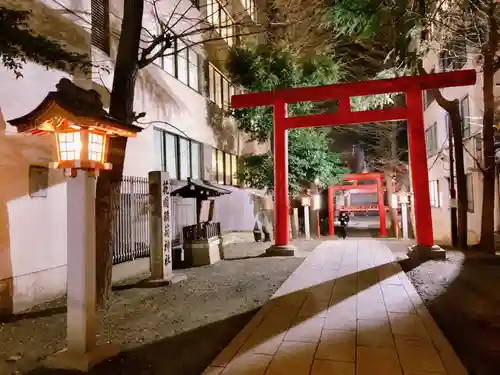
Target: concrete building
[[436, 133], [186, 131]]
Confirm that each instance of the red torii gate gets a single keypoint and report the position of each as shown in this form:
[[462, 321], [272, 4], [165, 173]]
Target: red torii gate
[[412, 86], [372, 188]]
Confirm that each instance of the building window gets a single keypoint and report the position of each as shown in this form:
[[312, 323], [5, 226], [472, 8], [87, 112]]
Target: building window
[[220, 167], [167, 62], [431, 140], [170, 157], [194, 69], [100, 34], [465, 115], [220, 19], [182, 62], [434, 194], [470, 192], [478, 143], [179, 156], [184, 159], [250, 8], [220, 88], [225, 167], [195, 160]]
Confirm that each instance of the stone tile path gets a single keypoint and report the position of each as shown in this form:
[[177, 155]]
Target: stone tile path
[[348, 309]]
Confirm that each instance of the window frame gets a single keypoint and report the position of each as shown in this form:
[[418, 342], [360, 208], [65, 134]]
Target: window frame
[[465, 103], [177, 151], [225, 178], [469, 178], [435, 194], [100, 34], [431, 135], [214, 17], [219, 94], [192, 58]]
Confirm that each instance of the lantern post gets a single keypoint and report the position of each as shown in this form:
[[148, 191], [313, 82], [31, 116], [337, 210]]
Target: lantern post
[[81, 130]]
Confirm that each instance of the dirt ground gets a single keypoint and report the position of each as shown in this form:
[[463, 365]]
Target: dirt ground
[[462, 294], [168, 330]]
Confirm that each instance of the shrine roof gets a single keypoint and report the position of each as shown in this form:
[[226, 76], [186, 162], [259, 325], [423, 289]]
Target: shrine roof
[[195, 188]]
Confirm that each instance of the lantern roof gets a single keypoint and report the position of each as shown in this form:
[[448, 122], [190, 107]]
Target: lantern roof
[[199, 189], [71, 103]]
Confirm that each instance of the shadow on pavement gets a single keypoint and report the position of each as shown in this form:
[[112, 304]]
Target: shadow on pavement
[[184, 354], [33, 314], [189, 353], [462, 295]]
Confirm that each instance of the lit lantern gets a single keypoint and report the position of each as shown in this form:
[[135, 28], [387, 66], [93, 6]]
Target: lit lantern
[[80, 147], [403, 196], [305, 199], [81, 127], [316, 202]]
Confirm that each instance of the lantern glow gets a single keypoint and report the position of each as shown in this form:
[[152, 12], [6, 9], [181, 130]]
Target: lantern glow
[[80, 147], [80, 126], [70, 146]]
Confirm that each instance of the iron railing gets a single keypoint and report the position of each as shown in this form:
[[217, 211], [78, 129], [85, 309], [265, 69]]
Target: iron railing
[[201, 231], [130, 228]]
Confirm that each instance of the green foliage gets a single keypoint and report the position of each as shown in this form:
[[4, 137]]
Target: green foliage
[[309, 156], [259, 68], [309, 159], [19, 44]]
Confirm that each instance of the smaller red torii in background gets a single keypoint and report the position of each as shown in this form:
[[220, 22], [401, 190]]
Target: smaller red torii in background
[[377, 187]]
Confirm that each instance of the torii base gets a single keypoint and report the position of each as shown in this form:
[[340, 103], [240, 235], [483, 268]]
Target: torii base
[[281, 251], [423, 253], [83, 362]]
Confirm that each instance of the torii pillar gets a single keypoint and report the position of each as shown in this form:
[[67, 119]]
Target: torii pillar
[[412, 111]]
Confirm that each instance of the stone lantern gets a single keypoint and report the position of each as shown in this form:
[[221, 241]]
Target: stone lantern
[[81, 130]]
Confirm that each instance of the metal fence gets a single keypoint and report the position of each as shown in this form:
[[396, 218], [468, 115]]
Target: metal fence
[[130, 229]]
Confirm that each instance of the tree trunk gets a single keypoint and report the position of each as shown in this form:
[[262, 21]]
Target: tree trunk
[[121, 108], [458, 144], [453, 192], [488, 210]]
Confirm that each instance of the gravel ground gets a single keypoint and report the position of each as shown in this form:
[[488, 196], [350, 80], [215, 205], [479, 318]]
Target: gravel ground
[[169, 330], [462, 294]]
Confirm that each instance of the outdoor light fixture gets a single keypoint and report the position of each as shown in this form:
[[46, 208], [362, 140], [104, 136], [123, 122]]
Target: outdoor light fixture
[[403, 196], [81, 148], [394, 200], [305, 199], [80, 126], [316, 202]]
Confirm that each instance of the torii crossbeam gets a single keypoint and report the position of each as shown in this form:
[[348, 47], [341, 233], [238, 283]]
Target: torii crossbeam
[[412, 86]]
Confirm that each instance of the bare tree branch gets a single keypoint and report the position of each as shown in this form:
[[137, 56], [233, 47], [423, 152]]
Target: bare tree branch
[[476, 161]]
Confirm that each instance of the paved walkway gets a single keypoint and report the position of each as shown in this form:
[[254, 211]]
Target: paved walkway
[[348, 309]]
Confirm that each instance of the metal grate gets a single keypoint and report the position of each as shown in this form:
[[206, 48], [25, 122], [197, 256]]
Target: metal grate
[[100, 25], [130, 229], [201, 231]]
